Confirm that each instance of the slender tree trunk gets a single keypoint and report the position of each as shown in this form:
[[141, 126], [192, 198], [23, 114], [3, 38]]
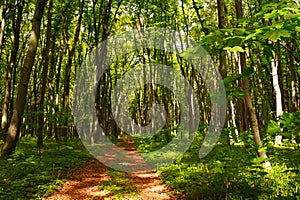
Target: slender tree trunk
[[198, 14], [11, 64], [294, 106], [252, 115], [2, 26], [274, 65], [33, 105], [51, 80], [223, 68], [280, 76], [276, 84], [66, 100], [15, 124], [40, 119], [101, 86], [263, 93], [57, 100], [222, 55], [242, 107]]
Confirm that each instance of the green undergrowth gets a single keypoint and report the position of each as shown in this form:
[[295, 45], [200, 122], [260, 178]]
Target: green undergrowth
[[154, 142], [232, 172], [235, 173], [32, 174], [118, 186]]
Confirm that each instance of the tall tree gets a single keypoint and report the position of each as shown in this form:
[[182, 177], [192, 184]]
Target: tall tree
[[2, 27], [15, 124], [19, 4], [278, 95], [66, 99], [221, 22], [246, 87], [40, 120]]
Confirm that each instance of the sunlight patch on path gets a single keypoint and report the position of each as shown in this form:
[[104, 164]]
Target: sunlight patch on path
[[84, 184]]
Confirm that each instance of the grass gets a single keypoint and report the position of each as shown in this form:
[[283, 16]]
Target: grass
[[232, 172], [235, 172], [32, 174], [118, 186]]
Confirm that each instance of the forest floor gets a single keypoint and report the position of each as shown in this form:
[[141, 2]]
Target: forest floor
[[97, 181]]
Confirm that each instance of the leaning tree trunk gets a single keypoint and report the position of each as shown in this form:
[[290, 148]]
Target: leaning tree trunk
[[252, 115], [15, 124]]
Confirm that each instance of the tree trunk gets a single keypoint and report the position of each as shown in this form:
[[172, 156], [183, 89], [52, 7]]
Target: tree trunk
[[2, 25], [294, 106], [11, 64], [275, 66], [40, 119], [15, 124], [101, 86], [263, 93], [252, 115], [66, 100]]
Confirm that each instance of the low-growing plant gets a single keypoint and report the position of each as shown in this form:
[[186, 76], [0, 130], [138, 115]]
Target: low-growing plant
[[118, 186], [31, 173]]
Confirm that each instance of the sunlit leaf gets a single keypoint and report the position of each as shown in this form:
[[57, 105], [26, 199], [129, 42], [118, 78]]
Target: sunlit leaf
[[235, 49]]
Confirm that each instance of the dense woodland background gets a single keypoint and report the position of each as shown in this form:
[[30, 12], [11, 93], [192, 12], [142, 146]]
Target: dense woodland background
[[254, 44]]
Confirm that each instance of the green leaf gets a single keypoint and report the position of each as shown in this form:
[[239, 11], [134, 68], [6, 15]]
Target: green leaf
[[253, 35], [262, 149], [271, 15], [259, 160], [274, 35], [235, 49], [273, 127], [248, 72], [238, 94], [217, 170], [268, 51], [229, 80]]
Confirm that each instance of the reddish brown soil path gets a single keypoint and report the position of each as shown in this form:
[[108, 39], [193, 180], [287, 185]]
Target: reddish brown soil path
[[84, 184]]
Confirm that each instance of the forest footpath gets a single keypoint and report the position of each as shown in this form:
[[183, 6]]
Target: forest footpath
[[97, 181]]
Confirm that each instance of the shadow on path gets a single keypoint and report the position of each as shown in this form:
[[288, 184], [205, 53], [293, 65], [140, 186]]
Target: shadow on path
[[84, 183]]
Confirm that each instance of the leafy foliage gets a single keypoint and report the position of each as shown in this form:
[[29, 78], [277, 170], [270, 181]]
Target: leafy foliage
[[234, 172], [30, 174], [288, 126]]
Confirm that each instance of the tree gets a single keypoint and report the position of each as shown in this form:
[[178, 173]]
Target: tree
[[66, 99], [15, 124], [19, 4], [40, 120], [246, 87], [2, 27]]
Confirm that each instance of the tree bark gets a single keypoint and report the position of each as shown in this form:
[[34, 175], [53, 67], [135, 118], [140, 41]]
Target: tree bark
[[275, 65], [15, 124], [2, 25], [294, 106], [66, 100], [40, 119], [263, 92], [252, 115], [11, 64]]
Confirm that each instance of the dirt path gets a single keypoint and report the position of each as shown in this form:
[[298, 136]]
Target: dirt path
[[86, 184]]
